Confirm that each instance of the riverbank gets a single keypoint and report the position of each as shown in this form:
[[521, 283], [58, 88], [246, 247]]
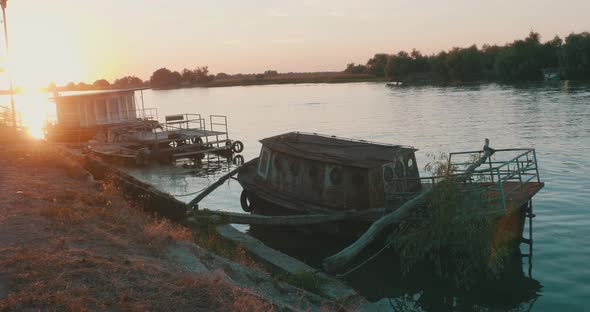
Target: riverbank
[[332, 78], [298, 78], [68, 242]]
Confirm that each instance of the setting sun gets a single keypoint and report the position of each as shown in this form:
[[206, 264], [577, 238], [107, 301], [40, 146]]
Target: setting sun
[[48, 44]]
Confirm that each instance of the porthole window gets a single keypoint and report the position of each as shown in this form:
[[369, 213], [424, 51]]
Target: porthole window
[[410, 163], [336, 176]]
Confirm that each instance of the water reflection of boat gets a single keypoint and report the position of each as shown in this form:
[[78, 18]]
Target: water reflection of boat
[[120, 131], [511, 290]]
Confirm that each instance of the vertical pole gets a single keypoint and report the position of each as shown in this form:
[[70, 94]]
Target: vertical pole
[[536, 166], [530, 215], [3, 4], [491, 171], [142, 108]]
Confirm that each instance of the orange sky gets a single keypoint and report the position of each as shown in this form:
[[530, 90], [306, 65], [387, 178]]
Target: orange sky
[[67, 40]]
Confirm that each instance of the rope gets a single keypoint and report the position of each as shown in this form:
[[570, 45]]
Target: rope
[[189, 194], [365, 262]]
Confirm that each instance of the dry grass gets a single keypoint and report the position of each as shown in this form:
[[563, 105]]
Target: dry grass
[[207, 237], [79, 280], [93, 250], [162, 229]]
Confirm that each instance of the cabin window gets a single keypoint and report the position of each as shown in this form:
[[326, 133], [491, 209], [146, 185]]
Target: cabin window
[[357, 179], [388, 174], [336, 176], [399, 169], [410, 163], [264, 162]]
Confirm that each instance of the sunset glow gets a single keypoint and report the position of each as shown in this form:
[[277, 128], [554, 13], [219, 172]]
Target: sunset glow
[[68, 40]]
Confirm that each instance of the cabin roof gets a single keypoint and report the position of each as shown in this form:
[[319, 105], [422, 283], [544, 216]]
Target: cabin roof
[[342, 151], [96, 93]]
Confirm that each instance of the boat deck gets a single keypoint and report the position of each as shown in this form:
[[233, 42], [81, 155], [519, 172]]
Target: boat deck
[[515, 191], [172, 135]]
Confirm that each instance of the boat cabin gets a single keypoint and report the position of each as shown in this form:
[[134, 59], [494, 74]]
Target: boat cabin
[[337, 173], [81, 115], [96, 108]]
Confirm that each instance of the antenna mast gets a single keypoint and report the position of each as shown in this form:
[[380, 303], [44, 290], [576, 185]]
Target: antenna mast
[[3, 4]]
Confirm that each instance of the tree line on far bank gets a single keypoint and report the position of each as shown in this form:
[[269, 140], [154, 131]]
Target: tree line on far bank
[[164, 78], [521, 60]]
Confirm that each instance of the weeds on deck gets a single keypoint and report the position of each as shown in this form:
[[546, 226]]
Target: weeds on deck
[[455, 235]]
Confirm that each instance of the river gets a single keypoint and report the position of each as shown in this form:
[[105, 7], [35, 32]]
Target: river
[[554, 118]]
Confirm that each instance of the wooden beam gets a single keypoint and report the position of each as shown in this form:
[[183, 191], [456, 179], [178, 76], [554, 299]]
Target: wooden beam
[[218, 183], [293, 220]]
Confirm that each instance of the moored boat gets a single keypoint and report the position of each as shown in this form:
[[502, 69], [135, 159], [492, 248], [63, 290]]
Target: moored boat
[[113, 127], [304, 173]]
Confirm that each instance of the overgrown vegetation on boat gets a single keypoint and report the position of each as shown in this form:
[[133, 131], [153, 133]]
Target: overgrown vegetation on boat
[[454, 235]]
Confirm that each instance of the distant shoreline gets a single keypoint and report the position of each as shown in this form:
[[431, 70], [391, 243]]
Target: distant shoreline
[[279, 81]]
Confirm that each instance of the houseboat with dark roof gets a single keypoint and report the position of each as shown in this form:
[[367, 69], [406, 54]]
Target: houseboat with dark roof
[[318, 175], [312, 173]]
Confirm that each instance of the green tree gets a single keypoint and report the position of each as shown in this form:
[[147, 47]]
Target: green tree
[[271, 73], [376, 64], [188, 76], [221, 76], [202, 74], [82, 86], [352, 68], [128, 82], [575, 56], [101, 84], [465, 64], [398, 66], [165, 78], [522, 59], [71, 86]]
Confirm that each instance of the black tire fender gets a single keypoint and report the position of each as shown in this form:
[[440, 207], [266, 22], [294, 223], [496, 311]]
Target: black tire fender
[[237, 147], [247, 201]]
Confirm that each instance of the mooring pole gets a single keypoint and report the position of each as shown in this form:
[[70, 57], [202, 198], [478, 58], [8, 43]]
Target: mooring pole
[[3, 4], [142, 107]]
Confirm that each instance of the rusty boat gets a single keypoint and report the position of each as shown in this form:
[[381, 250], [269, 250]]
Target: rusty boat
[[318, 175]]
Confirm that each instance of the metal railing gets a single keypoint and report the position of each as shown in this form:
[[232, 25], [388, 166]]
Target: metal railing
[[517, 166], [183, 121], [6, 118], [127, 115]]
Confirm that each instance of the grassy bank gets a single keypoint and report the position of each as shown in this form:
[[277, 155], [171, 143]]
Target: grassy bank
[[295, 79], [69, 243]]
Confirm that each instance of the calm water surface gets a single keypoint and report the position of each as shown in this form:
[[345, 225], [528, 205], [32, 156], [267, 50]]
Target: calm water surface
[[553, 118]]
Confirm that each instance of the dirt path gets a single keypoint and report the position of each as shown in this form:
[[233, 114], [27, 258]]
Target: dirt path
[[70, 243]]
